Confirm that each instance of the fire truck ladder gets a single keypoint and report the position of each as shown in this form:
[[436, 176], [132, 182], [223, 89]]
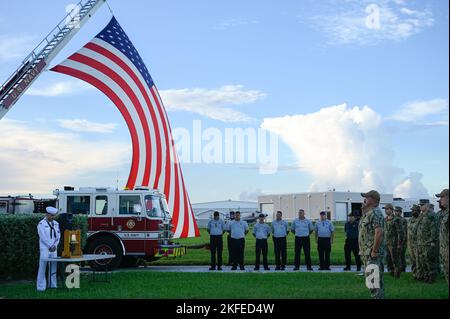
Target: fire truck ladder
[[34, 64]]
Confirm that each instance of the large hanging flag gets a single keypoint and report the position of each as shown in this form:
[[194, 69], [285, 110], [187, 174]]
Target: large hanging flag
[[112, 64]]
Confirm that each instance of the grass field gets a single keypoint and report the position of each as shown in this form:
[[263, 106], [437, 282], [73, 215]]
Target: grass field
[[202, 256], [157, 285]]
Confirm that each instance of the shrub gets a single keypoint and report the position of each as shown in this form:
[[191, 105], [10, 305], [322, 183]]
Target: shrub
[[19, 244]]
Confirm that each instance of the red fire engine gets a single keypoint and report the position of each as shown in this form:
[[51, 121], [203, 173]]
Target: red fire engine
[[130, 224]]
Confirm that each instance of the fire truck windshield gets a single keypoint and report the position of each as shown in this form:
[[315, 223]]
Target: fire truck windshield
[[153, 206]]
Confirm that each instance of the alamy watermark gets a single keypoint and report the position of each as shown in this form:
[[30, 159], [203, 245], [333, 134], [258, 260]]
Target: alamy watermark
[[73, 277], [373, 18], [372, 276], [211, 145]]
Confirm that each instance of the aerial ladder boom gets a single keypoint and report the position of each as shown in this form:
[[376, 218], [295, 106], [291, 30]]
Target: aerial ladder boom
[[35, 63]]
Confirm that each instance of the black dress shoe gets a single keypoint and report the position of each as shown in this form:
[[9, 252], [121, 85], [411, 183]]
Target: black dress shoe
[[321, 268], [346, 268], [358, 269], [233, 268], [296, 268], [277, 268], [328, 268], [283, 268], [212, 268], [310, 269], [266, 268], [219, 268], [256, 268], [242, 268]]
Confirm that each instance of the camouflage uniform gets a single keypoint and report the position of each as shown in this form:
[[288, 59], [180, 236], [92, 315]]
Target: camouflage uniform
[[439, 216], [443, 241], [394, 242], [412, 243], [367, 225], [427, 236], [404, 224]]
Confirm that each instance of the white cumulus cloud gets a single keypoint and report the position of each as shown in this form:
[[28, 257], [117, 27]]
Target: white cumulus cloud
[[418, 110], [37, 160], [371, 22], [78, 125], [250, 196], [214, 104], [60, 88], [340, 147], [411, 187], [16, 46]]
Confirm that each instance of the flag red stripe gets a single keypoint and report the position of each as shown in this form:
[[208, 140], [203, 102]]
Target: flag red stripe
[[110, 55], [130, 93], [119, 104], [167, 130], [170, 143], [187, 207], [190, 210]]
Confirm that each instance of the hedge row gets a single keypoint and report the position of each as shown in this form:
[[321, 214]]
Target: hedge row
[[19, 244]]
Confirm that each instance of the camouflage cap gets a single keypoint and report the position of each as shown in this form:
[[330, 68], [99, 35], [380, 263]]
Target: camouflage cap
[[373, 194], [388, 206], [443, 193], [424, 201], [398, 209]]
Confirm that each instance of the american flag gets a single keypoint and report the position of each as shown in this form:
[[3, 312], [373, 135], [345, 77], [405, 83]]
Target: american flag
[[112, 64]]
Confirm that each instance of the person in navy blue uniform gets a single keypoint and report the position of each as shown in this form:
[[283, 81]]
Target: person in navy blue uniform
[[216, 229], [351, 242], [324, 238], [229, 246], [238, 229], [280, 229], [302, 228], [261, 231]]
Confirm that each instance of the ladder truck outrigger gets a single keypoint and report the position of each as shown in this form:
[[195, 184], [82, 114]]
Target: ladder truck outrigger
[[130, 224]]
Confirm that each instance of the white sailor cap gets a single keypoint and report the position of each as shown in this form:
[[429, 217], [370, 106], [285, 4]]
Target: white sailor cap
[[51, 210]]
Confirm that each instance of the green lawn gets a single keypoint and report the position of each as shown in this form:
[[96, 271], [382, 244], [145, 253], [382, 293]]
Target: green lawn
[[148, 284], [202, 256]]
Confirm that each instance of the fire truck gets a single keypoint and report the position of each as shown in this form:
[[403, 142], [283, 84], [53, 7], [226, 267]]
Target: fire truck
[[130, 224]]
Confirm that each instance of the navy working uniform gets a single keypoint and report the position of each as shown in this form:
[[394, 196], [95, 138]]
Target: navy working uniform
[[302, 228], [49, 236], [351, 243], [216, 228], [324, 232], [237, 230], [280, 231], [230, 254], [261, 231]]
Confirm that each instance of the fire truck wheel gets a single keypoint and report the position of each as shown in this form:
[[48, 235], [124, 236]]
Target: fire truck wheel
[[129, 262], [106, 246]]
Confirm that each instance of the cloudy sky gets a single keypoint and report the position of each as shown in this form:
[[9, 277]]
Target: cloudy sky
[[356, 91]]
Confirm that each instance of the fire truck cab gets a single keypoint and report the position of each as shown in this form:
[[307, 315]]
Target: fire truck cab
[[130, 224]]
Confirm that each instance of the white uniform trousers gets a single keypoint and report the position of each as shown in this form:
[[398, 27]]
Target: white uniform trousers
[[51, 270]]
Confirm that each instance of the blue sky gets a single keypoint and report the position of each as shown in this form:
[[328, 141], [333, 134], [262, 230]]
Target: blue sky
[[287, 66]]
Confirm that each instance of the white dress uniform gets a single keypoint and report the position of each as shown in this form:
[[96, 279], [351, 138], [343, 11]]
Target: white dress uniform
[[49, 236]]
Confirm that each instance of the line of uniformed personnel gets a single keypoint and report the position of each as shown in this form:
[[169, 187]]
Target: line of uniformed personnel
[[376, 238], [425, 236], [279, 229]]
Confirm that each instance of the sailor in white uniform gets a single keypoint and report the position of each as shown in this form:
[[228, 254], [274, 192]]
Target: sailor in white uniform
[[49, 235]]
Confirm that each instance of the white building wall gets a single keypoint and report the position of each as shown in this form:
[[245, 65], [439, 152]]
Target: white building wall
[[314, 203]]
